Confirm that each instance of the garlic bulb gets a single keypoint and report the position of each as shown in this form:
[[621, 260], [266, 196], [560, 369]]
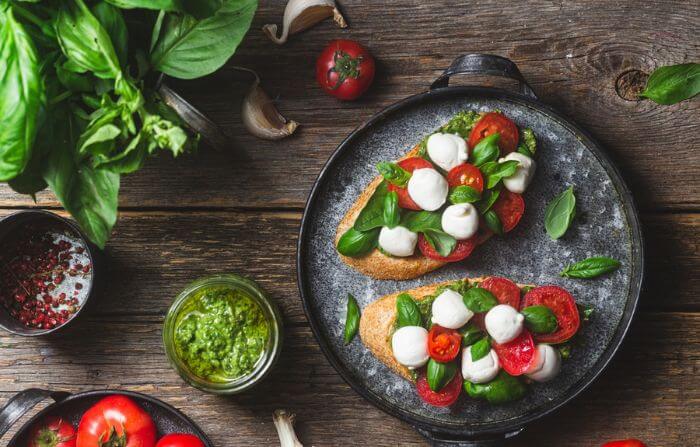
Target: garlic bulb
[[284, 423], [302, 14], [260, 116]]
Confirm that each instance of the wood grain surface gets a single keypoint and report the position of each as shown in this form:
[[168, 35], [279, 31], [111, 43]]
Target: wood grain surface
[[238, 210]]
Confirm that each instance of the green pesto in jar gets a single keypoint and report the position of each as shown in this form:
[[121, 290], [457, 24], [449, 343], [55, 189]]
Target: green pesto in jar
[[221, 334]]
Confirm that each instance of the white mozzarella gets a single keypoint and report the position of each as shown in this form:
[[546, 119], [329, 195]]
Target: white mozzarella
[[398, 241], [483, 370], [548, 363], [504, 323], [460, 221], [428, 188], [450, 311], [447, 150], [410, 346], [519, 181]]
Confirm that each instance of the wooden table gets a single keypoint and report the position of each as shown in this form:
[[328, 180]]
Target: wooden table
[[238, 210]]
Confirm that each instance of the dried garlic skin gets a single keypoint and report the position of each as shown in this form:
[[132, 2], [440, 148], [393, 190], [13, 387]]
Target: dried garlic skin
[[303, 14], [260, 116]]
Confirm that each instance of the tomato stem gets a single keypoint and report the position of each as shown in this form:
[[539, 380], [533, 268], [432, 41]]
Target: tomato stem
[[346, 66]]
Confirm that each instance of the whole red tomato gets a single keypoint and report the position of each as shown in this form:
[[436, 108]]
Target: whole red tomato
[[52, 432], [180, 440], [116, 421], [345, 69]]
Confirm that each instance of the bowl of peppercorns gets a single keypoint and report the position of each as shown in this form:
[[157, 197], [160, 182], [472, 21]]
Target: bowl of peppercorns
[[46, 272]]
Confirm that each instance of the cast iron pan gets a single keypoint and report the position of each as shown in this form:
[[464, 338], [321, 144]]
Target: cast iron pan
[[72, 406], [606, 224]]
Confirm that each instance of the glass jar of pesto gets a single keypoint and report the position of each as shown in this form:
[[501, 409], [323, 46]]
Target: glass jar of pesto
[[223, 334]]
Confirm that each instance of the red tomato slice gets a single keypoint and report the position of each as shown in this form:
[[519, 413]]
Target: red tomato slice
[[443, 343], [466, 174], [180, 440], [517, 356], [564, 307], [625, 443], [492, 123], [509, 208], [410, 165], [505, 290], [461, 251], [443, 398]]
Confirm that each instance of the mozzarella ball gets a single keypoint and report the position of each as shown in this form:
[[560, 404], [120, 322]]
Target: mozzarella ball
[[483, 370], [548, 364], [504, 323], [447, 150], [460, 221], [428, 189], [410, 346], [450, 311], [519, 181], [398, 241]]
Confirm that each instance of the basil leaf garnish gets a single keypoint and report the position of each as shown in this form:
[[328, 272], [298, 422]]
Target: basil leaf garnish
[[673, 84], [439, 374], [480, 349], [540, 319], [493, 222], [470, 334], [489, 198], [479, 300], [407, 311], [419, 221], [352, 320], [504, 388], [591, 267], [559, 213], [464, 194], [394, 173], [486, 150], [372, 215], [442, 242], [494, 172], [357, 243], [391, 209]]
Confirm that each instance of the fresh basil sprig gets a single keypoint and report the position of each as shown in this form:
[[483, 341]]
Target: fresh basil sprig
[[489, 198], [442, 242], [493, 222], [352, 319], [407, 311], [480, 349], [559, 213], [673, 84], [479, 300], [486, 150], [394, 173], [439, 374], [391, 209], [494, 171], [504, 388], [591, 267], [464, 194], [470, 334], [372, 215], [540, 319], [355, 243]]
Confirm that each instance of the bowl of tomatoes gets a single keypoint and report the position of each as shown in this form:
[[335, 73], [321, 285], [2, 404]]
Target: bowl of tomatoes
[[99, 418]]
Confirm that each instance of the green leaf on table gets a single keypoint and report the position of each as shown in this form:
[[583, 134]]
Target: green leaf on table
[[591, 267], [559, 213], [673, 84], [352, 320]]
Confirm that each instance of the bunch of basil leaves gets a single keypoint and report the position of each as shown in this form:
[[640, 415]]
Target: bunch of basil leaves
[[75, 112]]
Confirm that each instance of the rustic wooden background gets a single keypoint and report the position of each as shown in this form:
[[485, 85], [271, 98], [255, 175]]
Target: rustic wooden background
[[238, 211]]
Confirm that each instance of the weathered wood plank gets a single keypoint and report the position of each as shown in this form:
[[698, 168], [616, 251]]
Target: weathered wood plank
[[571, 52]]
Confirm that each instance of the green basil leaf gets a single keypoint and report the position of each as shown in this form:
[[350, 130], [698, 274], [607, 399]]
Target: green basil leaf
[[394, 173], [673, 84], [489, 198], [372, 215], [540, 319], [391, 209], [494, 172], [479, 300], [480, 349], [419, 221], [352, 320], [165, 5], [464, 194], [591, 267], [462, 123], [112, 21], [493, 222], [355, 243], [486, 150], [442, 242], [559, 213], [471, 334], [439, 374], [504, 388], [407, 311]]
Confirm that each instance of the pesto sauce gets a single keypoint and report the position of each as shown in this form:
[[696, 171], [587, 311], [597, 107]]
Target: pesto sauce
[[221, 334]]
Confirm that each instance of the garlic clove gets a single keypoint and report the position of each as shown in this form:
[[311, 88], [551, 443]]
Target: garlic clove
[[260, 116], [284, 423], [302, 14]]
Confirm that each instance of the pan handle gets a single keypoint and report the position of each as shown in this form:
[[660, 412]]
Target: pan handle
[[22, 402], [440, 440], [484, 64]]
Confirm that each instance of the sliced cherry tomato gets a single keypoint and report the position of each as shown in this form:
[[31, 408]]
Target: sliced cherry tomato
[[345, 69], [517, 356], [410, 165], [443, 343], [116, 420], [625, 443], [562, 304], [180, 440], [505, 290], [461, 251], [443, 398], [509, 208], [467, 175], [492, 123], [52, 431]]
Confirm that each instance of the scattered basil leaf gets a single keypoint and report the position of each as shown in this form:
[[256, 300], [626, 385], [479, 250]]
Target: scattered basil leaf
[[559, 213], [352, 320], [540, 319], [486, 150], [419, 221], [391, 209], [489, 198], [504, 388], [355, 243], [586, 312], [439, 374], [442, 242], [470, 334], [480, 349], [493, 222], [479, 300], [394, 173], [462, 123], [464, 194], [372, 215], [673, 84], [407, 311], [494, 172], [591, 267]]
